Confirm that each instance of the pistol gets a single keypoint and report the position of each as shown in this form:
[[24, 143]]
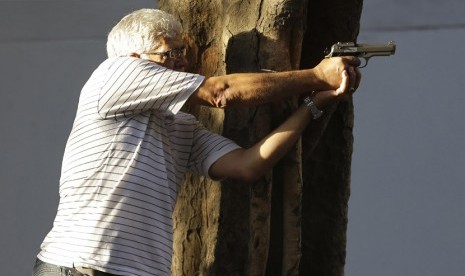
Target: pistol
[[365, 51]]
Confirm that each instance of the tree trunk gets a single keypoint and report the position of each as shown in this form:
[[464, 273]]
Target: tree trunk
[[224, 228], [327, 148]]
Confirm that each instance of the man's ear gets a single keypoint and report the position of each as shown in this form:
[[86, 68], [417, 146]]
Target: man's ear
[[134, 55]]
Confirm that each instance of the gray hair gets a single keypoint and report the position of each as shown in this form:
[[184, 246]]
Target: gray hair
[[140, 31]]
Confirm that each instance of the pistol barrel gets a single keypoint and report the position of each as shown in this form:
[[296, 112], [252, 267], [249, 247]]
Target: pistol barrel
[[362, 50]]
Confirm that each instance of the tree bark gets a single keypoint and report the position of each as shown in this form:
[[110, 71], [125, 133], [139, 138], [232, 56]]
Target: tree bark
[[236, 228], [327, 148]]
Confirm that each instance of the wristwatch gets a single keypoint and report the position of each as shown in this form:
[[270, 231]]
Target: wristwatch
[[316, 113]]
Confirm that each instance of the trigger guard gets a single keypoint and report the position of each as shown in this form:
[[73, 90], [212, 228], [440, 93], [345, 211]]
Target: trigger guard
[[364, 65]]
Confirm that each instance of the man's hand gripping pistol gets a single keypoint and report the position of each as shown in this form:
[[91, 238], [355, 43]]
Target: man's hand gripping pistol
[[365, 51]]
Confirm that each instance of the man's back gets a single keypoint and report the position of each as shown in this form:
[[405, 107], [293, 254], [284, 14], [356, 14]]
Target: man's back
[[120, 175]]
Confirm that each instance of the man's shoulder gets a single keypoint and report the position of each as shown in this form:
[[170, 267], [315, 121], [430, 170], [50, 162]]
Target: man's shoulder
[[118, 62]]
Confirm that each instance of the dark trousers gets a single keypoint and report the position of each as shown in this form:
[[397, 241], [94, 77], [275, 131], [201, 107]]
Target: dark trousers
[[45, 269]]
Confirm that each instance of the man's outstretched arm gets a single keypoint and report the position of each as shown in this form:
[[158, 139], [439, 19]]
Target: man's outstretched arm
[[251, 89]]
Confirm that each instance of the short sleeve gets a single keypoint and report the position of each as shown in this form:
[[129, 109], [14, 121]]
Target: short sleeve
[[207, 148], [132, 85]]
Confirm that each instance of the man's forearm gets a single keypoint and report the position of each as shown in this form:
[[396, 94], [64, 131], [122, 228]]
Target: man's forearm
[[250, 164], [251, 89], [246, 89], [265, 154]]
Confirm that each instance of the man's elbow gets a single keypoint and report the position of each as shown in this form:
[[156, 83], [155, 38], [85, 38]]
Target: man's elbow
[[214, 92]]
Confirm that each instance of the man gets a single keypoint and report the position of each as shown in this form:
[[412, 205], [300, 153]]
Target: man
[[130, 146]]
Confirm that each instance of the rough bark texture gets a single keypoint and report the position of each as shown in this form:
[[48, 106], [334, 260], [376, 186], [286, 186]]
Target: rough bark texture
[[236, 228], [197, 212]]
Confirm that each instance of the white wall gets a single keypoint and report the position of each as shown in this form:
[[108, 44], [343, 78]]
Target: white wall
[[407, 209]]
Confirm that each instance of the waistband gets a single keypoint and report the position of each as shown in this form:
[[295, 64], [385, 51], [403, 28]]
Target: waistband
[[43, 268]]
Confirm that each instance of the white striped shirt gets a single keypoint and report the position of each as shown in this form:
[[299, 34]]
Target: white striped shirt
[[126, 156]]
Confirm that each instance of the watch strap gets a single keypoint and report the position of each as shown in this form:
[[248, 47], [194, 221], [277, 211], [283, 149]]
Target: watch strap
[[316, 113]]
